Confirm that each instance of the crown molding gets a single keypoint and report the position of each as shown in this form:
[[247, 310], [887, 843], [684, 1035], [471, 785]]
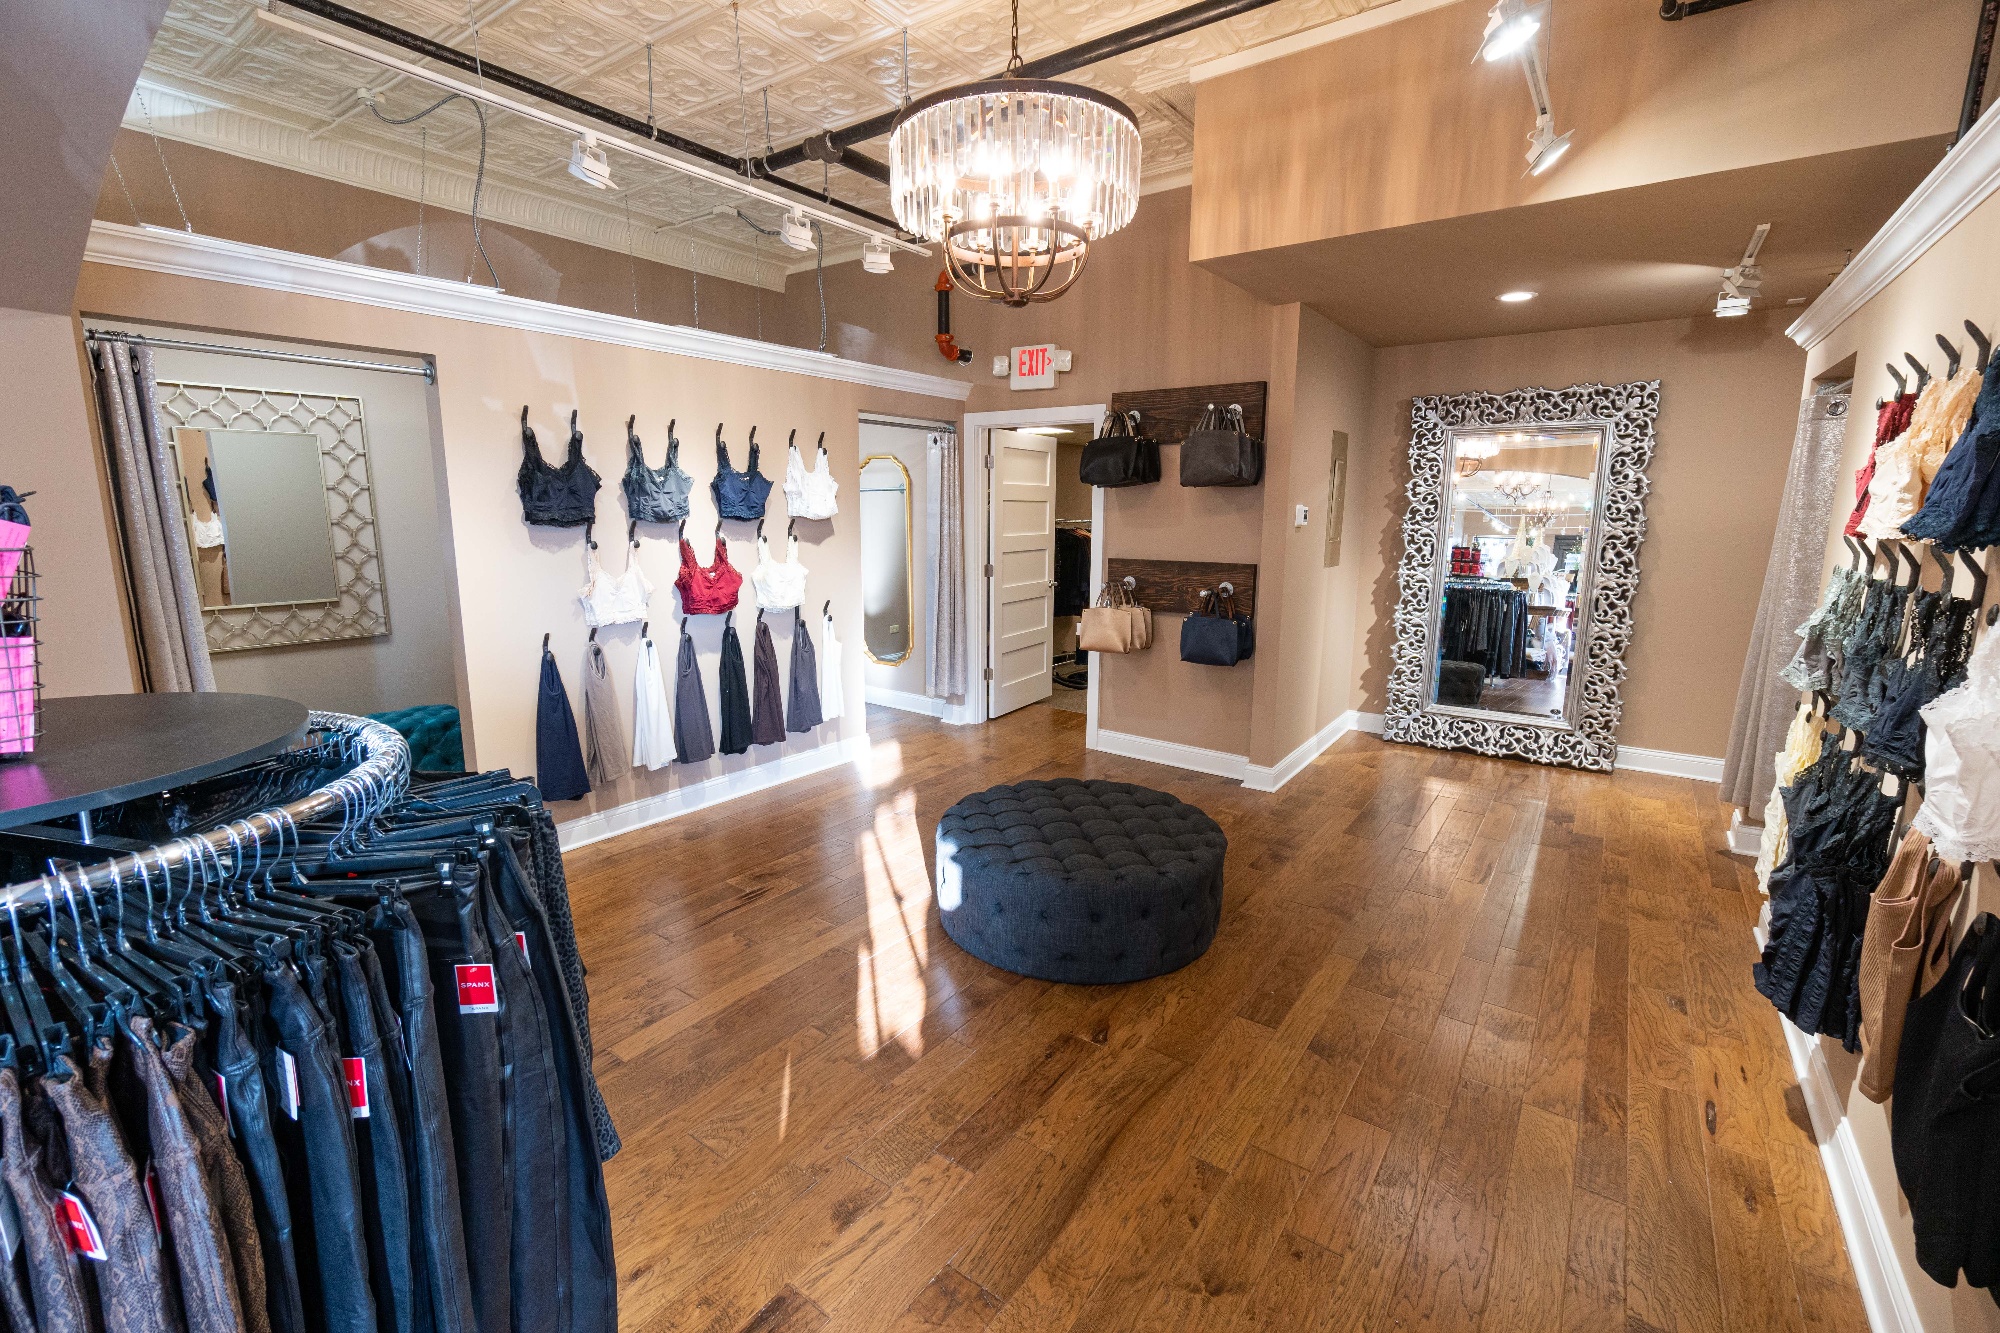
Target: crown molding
[[1379, 17], [1962, 182], [190, 117], [187, 255]]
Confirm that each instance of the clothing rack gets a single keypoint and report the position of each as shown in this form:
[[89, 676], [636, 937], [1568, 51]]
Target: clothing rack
[[428, 371], [356, 796]]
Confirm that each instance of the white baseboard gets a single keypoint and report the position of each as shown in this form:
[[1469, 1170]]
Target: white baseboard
[[602, 824], [1878, 1270], [1745, 839], [1191, 757], [944, 710], [1261, 777], [1700, 767]]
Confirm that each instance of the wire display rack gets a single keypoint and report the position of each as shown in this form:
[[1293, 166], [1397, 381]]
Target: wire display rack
[[20, 653]]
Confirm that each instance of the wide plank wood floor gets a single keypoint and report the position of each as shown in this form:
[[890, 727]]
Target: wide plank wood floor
[[1475, 1048]]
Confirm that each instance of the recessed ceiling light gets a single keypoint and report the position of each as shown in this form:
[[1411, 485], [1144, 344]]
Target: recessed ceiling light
[[1515, 298]]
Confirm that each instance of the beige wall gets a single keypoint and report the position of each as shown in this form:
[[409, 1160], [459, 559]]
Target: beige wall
[[909, 446], [517, 583], [1394, 127], [1956, 280], [1729, 396]]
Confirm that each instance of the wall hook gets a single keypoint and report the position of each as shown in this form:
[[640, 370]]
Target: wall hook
[[524, 414], [590, 527], [792, 440], [1131, 584], [630, 422], [1952, 357], [827, 608], [593, 634], [1982, 342], [632, 532], [1923, 371], [822, 441], [1902, 386], [572, 421], [1226, 589], [646, 630], [545, 643], [791, 528]]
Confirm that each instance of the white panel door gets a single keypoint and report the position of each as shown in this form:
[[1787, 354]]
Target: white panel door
[[1022, 598]]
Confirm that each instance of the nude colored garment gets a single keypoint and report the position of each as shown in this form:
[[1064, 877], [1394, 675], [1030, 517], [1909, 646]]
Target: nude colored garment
[[1904, 466], [1932, 439], [1905, 949], [1802, 747]]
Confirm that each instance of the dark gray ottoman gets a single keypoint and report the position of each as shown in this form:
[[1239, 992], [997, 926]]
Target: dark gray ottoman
[[1080, 881]]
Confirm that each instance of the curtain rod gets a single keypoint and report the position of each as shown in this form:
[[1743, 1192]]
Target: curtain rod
[[428, 371]]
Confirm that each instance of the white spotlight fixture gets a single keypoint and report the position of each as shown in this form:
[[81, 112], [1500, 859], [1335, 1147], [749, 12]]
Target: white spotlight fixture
[[1545, 146], [795, 231], [876, 256], [1510, 26], [1742, 283], [1515, 298], [588, 163]]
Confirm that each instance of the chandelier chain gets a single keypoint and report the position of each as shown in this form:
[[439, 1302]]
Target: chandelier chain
[[1014, 40]]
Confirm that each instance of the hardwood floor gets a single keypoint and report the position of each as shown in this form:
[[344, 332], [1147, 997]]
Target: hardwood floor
[[1476, 1047]]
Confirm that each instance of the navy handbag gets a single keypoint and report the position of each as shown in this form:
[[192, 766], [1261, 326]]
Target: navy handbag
[[1216, 634]]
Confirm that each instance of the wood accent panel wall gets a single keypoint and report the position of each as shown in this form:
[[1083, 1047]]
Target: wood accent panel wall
[[1173, 587], [1167, 415]]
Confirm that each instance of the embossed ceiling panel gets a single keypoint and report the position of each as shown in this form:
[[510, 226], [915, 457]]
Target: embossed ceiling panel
[[244, 88]]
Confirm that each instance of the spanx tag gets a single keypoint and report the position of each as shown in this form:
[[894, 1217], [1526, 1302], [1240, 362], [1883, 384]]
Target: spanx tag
[[79, 1226], [357, 1086], [288, 1084], [476, 992]]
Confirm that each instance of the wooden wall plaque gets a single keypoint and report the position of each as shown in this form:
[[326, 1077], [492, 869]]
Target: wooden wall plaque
[[1173, 587], [1167, 415]]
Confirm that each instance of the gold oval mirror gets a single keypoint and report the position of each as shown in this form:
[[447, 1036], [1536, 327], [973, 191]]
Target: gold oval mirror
[[888, 576]]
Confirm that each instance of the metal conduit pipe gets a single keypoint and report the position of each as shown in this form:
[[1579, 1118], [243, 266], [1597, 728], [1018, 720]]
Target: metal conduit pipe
[[1672, 10], [417, 44]]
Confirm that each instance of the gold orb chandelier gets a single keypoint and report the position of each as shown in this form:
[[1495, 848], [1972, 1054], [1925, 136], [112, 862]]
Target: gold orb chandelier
[[1014, 177]]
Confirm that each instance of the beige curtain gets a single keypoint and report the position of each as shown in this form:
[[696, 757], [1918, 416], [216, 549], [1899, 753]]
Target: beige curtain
[[1792, 579], [173, 648], [944, 632]]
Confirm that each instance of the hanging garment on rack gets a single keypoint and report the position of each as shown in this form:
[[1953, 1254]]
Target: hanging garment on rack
[[1941, 633], [802, 707], [694, 739], [1485, 623], [1839, 823], [1961, 809], [1072, 571], [780, 585], [1892, 418], [1802, 747], [1904, 951], [560, 497], [652, 717], [738, 494], [604, 752], [1876, 638], [813, 494], [767, 699], [735, 691], [1945, 1133], [1962, 509], [559, 770], [614, 601], [711, 591], [832, 695], [1825, 631], [655, 496]]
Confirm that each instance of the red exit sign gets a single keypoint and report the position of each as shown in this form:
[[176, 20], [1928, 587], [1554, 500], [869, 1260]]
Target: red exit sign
[[1033, 367]]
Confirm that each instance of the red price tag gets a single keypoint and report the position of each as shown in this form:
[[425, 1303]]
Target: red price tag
[[357, 1086], [222, 1101], [476, 992], [521, 942], [78, 1226]]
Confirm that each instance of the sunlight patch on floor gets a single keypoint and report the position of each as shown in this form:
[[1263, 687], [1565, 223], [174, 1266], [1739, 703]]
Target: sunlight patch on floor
[[881, 765], [890, 995]]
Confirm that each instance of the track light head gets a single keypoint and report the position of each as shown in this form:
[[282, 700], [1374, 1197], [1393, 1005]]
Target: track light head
[[1510, 26], [876, 256], [795, 231], [1545, 146], [588, 163]]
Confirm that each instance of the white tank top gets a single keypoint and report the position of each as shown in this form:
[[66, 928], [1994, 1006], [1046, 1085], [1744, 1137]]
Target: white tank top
[[780, 587], [812, 494]]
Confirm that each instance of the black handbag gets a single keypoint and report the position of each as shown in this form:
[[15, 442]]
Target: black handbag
[[1219, 452], [1216, 634], [1120, 456]]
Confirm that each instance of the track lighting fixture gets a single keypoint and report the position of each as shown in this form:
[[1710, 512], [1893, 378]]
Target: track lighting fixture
[[588, 163], [795, 231], [1545, 146], [876, 256], [1510, 26], [1742, 283]]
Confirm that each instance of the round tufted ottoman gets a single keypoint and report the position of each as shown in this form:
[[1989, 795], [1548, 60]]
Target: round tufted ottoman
[[1080, 881]]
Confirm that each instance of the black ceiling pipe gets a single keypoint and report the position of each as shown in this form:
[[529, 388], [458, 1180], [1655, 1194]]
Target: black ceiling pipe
[[1047, 67], [486, 69], [1671, 10], [1982, 56]]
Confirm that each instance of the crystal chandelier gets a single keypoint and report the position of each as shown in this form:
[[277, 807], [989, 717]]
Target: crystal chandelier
[[1015, 177]]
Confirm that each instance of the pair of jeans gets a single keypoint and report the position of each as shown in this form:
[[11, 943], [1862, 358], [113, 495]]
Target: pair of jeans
[[447, 1285], [250, 1117], [325, 1136], [385, 1188], [477, 1094], [593, 1285]]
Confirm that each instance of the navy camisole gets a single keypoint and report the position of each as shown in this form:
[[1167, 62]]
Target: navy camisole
[[654, 496], [557, 497], [738, 494]]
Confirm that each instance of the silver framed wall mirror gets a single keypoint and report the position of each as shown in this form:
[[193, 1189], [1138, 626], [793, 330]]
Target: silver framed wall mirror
[[888, 573], [279, 506], [1520, 561]]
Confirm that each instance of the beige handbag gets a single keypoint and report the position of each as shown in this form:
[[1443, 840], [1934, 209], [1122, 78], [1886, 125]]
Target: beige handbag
[[1115, 625]]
